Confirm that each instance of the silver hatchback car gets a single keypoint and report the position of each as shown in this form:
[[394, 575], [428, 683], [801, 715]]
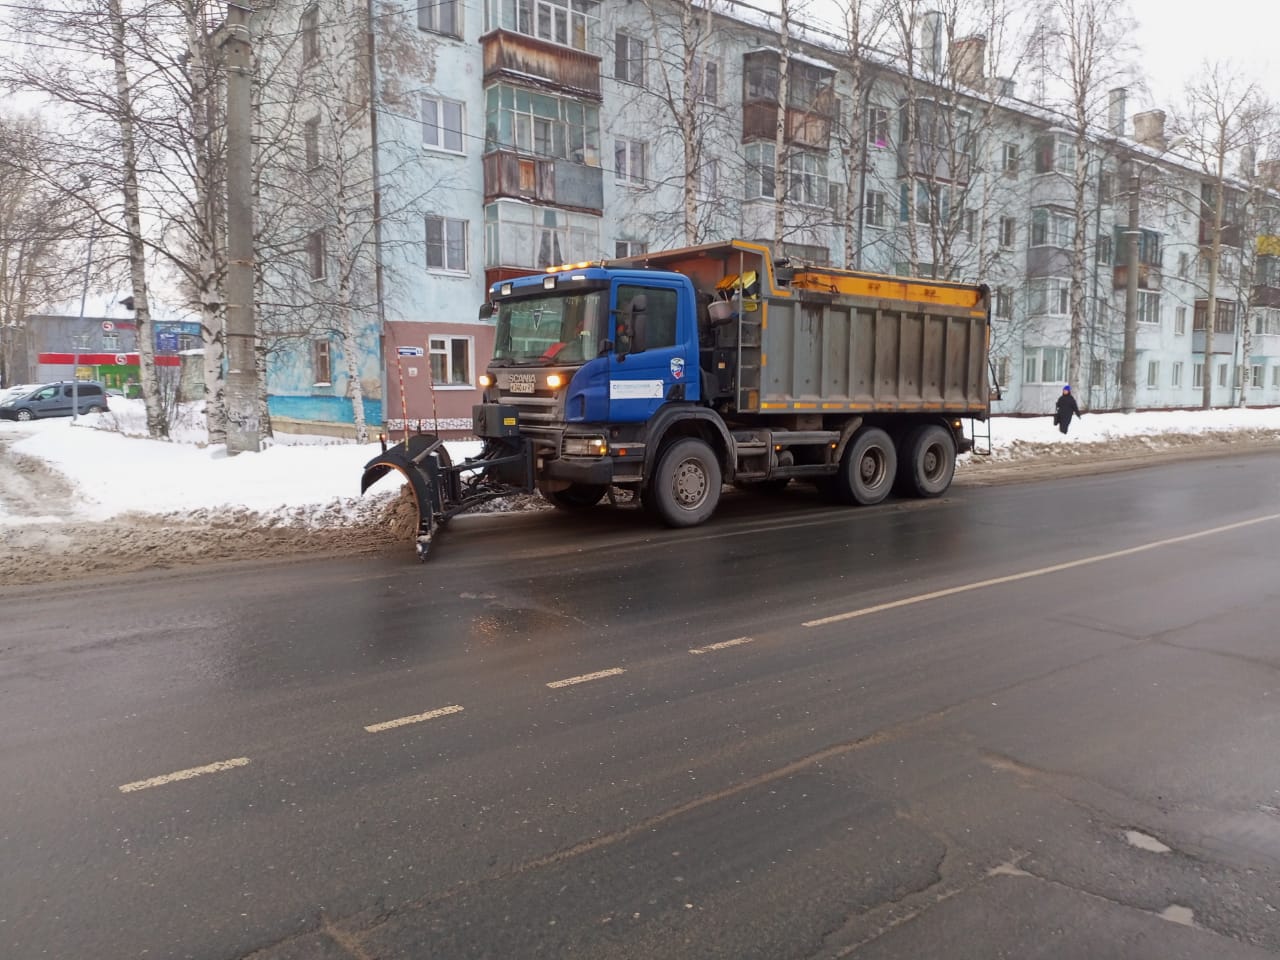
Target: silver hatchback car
[[56, 400]]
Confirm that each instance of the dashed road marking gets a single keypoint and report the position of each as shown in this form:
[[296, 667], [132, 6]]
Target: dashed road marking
[[416, 718], [722, 645], [187, 774], [586, 677], [1038, 572]]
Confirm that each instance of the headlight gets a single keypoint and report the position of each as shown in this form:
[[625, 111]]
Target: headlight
[[585, 446], [486, 380], [554, 380]]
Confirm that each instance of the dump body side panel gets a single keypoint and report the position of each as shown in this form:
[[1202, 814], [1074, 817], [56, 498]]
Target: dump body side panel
[[839, 353]]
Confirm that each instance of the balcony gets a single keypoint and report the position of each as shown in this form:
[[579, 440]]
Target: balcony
[[1150, 277], [516, 57], [934, 162], [562, 183], [805, 128]]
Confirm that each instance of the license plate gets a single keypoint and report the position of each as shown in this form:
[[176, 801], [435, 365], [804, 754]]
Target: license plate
[[522, 383]]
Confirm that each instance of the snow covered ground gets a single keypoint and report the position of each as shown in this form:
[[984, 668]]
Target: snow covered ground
[[110, 471]]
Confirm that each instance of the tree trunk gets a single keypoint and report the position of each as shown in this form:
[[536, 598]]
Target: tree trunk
[[157, 423], [780, 159]]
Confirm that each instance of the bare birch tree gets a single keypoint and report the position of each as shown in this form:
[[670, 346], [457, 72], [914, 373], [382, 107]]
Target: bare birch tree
[[1085, 51]]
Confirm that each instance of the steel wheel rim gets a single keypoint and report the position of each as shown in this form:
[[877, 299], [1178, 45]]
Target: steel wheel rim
[[872, 467], [689, 483], [932, 464]]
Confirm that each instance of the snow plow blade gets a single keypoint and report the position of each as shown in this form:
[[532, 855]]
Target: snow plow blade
[[442, 489]]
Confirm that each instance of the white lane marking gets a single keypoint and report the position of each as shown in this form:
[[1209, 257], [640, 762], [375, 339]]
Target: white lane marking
[[598, 675], [184, 774], [722, 645], [416, 718], [1039, 572]]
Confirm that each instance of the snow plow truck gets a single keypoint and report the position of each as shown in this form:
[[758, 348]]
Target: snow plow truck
[[671, 374]]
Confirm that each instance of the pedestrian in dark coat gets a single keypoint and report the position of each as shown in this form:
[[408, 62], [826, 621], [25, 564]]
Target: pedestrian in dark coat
[[1066, 409]]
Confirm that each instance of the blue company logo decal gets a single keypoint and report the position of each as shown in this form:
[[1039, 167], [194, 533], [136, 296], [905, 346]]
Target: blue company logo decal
[[677, 367]]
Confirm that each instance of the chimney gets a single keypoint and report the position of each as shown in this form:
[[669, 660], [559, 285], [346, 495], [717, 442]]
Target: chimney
[[933, 30], [1115, 112], [1148, 129], [968, 58]]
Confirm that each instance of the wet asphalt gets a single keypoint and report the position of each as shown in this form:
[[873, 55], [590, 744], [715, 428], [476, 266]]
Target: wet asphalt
[[1036, 720]]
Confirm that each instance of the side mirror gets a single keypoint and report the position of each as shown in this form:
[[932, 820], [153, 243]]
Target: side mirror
[[487, 310]]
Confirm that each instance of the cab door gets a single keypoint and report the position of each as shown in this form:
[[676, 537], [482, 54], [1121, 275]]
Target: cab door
[[650, 362]]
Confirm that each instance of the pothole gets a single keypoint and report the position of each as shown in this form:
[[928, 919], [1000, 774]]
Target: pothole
[[1144, 841]]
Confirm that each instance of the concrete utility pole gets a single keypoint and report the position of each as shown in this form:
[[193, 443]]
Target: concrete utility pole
[[1129, 363], [243, 427]]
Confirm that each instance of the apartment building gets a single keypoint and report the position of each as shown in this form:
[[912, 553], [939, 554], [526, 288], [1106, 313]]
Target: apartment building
[[500, 137]]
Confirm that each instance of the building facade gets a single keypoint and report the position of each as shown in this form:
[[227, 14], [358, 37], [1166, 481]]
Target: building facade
[[493, 138]]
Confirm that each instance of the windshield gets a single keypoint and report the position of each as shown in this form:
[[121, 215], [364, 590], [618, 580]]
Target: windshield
[[551, 329]]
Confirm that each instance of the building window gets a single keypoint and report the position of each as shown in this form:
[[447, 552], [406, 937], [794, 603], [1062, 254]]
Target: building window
[[1255, 375], [446, 244], [1051, 227], [524, 235], [1275, 377], [1008, 232], [1009, 159], [628, 59], [321, 372], [628, 162], [311, 142], [708, 185], [1105, 248], [807, 179], [1153, 374], [1150, 249], [315, 255], [1197, 375], [1106, 187], [1180, 321], [874, 207], [706, 80], [1049, 297], [622, 249], [878, 127], [1045, 365], [760, 174], [1004, 303], [450, 361], [542, 124], [1148, 307], [570, 23], [930, 203], [1176, 379], [1004, 368], [970, 224], [1222, 374], [111, 341], [808, 253], [1055, 154], [1224, 319], [441, 16], [309, 25], [442, 124], [1184, 265]]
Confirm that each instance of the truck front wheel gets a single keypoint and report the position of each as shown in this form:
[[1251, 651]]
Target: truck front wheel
[[686, 485], [928, 461], [868, 468]]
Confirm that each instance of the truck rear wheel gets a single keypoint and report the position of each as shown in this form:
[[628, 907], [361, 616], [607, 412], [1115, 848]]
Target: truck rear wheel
[[868, 468], [928, 461], [685, 488], [577, 496]]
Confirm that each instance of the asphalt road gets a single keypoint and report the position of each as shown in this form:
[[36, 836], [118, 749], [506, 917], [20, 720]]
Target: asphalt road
[[1038, 720]]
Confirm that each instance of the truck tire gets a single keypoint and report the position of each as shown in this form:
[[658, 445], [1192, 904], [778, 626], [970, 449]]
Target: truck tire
[[868, 468], [685, 488], [928, 462], [578, 496]]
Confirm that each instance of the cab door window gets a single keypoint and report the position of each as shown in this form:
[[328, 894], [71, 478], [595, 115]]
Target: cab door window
[[646, 317]]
